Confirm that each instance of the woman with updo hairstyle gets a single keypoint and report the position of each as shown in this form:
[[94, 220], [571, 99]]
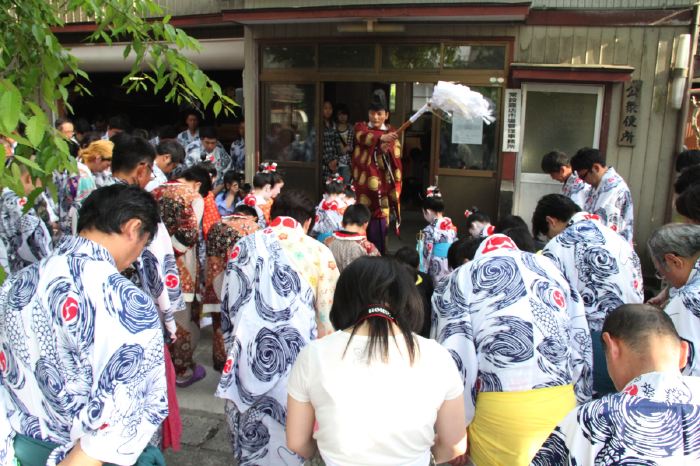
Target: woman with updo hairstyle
[[379, 393]]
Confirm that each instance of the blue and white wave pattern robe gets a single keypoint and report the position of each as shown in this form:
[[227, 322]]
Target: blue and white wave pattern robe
[[437, 238], [221, 159], [512, 323], [600, 264], [684, 310], [576, 189], [612, 202], [81, 356], [653, 421], [185, 137], [269, 313], [24, 236]]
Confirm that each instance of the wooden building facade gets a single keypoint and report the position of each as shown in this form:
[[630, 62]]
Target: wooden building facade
[[561, 74]]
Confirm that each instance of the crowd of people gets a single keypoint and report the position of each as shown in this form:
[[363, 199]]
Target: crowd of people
[[505, 345]]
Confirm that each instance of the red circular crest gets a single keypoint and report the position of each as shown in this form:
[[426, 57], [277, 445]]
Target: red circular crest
[[228, 366], [631, 390], [70, 309], [171, 281], [498, 242], [235, 252], [22, 201], [3, 362], [559, 298]]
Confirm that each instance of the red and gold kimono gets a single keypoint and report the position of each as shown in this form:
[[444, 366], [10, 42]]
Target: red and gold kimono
[[377, 171], [181, 209]]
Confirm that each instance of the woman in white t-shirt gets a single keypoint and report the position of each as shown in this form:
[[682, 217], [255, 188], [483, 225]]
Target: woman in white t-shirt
[[379, 393]]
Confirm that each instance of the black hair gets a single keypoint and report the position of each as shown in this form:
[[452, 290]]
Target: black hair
[[89, 137], [261, 179], [477, 216], [246, 188], [385, 283], [140, 132], [586, 157], [81, 126], [167, 132], [686, 159], [130, 151], [434, 202], [276, 178], [174, 148], [210, 168], [552, 205], [200, 174], [461, 250], [409, 256], [231, 177], [553, 161], [119, 122], [333, 186], [522, 238], [207, 132], [356, 214], [509, 221], [635, 323], [688, 203], [349, 192], [378, 101], [246, 210], [108, 208], [688, 177], [341, 108], [61, 121], [191, 111], [294, 203]]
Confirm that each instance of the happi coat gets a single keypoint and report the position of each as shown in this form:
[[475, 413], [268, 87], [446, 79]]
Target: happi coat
[[185, 137], [600, 264], [81, 356], [71, 191], [653, 421], [221, 159], [576, 189], [434, 243], [24, 236], [377, 171], [612, 202], [684, 310], [278, 290], [508, 313], [238, 155], [156, 273]]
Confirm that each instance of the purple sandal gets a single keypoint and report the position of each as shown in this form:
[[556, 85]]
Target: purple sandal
[[198, 373]]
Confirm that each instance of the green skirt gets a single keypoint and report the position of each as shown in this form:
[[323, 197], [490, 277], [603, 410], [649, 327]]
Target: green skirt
[[32, 452]]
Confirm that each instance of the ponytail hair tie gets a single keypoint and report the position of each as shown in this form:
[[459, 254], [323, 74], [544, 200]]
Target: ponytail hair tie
[[268, 167], [432, 191], [377, 310]]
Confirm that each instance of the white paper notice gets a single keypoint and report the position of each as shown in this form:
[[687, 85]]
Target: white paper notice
[[467, 131]]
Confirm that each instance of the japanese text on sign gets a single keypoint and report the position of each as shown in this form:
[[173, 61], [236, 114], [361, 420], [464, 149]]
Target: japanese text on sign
[[511, 124], [629, 113]]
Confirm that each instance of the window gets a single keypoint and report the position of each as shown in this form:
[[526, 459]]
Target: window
[[346, 56], [471, 145], [572, 111], [288, 56], [475, 57], [410, 57], [288, 129]]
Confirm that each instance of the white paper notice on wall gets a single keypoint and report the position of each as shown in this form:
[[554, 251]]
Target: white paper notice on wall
[[467, 131], [511, 120]]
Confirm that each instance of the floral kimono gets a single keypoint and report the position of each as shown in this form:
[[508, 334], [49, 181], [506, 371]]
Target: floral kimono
[[654, 420], [277, 293], [435, 241]]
